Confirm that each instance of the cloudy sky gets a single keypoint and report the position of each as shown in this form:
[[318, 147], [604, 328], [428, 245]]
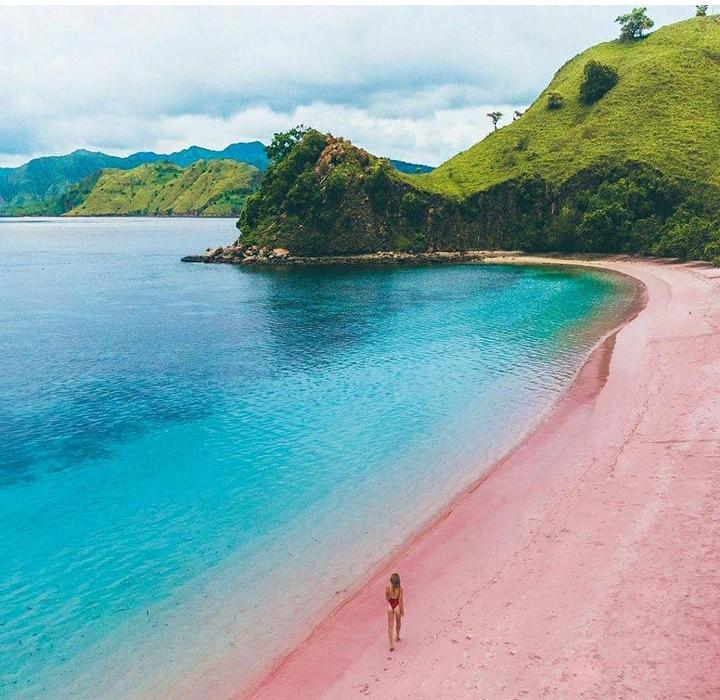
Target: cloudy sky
[[411, 83]]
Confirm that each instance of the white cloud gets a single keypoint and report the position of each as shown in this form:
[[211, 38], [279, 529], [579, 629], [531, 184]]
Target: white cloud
[[427, 138], [411, 82]]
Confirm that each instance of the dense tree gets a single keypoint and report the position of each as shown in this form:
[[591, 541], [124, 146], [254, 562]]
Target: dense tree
[[701, 10], [274, 197], [496, 117], [635, 23], [596, 81], [283, 142]]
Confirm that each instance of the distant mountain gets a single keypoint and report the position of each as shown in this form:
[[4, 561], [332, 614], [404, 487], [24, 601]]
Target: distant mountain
[[217, 187], [252, 153], [410, 168], [34, 188], [49, 176]]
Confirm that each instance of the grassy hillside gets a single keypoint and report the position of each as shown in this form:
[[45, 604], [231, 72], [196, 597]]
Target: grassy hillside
[[50, 175], [637, 169], [664, 111], [205, 188]]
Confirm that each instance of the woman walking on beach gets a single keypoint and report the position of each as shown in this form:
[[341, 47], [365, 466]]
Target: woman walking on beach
[[396, 609]]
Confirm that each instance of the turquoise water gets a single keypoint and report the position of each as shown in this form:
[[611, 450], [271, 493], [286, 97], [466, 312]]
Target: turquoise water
[[195, 459]]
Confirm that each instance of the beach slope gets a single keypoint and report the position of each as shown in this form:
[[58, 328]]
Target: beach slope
[[584, 565]]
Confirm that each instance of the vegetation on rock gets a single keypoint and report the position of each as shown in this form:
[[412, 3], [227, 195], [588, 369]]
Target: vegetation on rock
[[320, 193], [283, 142]]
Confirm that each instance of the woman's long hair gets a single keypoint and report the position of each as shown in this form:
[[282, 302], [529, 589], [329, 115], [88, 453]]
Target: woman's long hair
[[395, 580]]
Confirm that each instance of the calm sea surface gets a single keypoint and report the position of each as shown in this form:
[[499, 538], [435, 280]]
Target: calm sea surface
[[196, 459]]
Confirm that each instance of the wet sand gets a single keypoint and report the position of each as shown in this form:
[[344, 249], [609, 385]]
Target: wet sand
[[586, 564]]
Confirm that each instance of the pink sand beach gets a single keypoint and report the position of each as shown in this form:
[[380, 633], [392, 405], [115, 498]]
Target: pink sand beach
[[586, 564]]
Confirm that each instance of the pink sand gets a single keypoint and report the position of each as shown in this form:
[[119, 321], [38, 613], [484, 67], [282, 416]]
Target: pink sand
[[587, 563]]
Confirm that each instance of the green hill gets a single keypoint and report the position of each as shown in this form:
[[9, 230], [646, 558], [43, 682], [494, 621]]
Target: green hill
[[205, 188], [634, 169], [664, 111], [35, 187]]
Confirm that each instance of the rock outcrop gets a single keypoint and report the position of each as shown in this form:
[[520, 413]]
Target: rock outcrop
[[238, 254]]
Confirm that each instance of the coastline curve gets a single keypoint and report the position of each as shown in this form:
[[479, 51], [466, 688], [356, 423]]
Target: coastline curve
[[582, 388]]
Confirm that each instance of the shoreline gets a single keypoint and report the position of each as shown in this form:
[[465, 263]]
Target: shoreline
[[334, 673], [375, 569], [254, 255]]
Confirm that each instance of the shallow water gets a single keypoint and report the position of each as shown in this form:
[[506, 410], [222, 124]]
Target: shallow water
[[191, 452]]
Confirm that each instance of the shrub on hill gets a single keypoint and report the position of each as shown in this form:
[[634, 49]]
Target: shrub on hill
[[555, 100], [614, 208], [597, 80], [287, 188]]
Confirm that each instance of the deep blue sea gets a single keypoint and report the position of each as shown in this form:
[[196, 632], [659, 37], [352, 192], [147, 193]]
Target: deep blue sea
[[196, 459]]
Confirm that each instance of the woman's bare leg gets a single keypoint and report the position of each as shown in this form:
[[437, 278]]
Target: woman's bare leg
[[391, 621], [397, 626]]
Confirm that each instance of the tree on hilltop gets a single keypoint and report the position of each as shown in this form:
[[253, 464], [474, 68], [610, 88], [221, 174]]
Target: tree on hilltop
[[701, 10], [635, 23], [496, 117], [283, 142]]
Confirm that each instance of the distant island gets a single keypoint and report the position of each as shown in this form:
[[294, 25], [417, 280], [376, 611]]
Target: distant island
[[616, 155], [37, 187], [205, 188], [183, 183]]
